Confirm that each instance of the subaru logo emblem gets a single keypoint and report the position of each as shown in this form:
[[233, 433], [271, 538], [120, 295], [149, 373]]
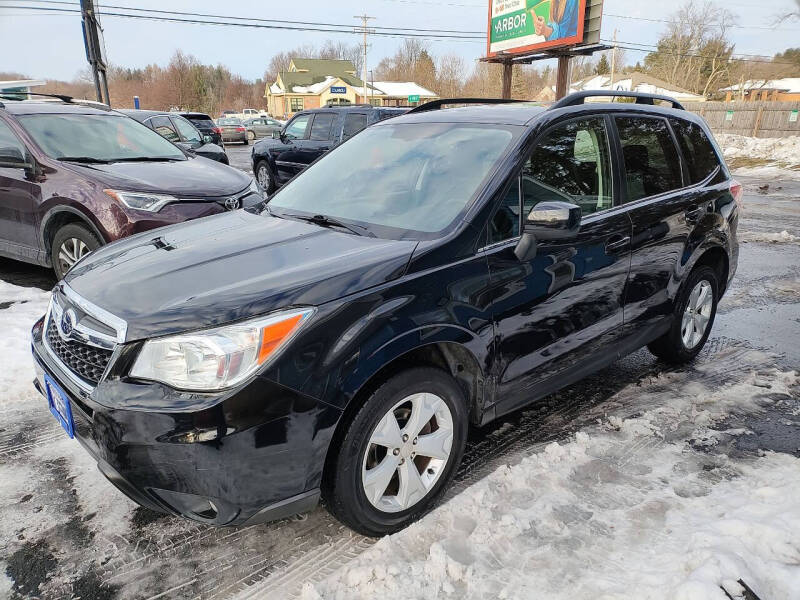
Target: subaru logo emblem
[[67, 323], [232, 203]]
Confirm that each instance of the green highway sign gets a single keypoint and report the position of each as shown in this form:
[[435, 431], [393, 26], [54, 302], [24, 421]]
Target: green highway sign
[[414, 98]]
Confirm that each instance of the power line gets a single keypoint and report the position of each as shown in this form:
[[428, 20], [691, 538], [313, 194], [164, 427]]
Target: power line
[[691, 55], [651, 20]]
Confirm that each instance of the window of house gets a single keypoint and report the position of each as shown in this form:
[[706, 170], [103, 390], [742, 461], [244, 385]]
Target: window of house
[[701, 159], [297, 128], [376, 101], [295, 104], [164, 127], [353, 123], [651, 160], [321, 127]]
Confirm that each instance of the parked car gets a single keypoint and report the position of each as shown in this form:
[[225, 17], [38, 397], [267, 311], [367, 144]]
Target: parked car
[[439, 270], [73, 178], [180, 132], [232, 130], [309, 135], [205, 124], [260, 127]]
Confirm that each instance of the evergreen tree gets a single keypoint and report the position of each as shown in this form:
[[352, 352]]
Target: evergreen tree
[[602, 67]]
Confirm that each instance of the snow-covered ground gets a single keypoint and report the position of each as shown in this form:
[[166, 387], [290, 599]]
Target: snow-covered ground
[[783, 152], [645, 481]]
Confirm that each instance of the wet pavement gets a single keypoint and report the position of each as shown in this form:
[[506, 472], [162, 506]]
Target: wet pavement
[[66, 532]]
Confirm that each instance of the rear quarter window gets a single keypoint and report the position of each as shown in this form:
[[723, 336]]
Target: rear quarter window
[[701, 158]]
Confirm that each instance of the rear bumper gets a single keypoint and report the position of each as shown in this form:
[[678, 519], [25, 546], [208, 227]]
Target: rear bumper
[[253, 456]]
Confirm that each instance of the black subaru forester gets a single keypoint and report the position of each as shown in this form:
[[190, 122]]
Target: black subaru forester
[[436, 271]]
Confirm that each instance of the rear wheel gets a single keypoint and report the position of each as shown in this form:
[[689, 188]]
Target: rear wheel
[[251, 135], [71, 243], [695, 310], [244, 141], [399, 453]]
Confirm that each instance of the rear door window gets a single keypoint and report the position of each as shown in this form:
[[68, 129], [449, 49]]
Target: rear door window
[[652, 165], [321, 127], [164, 127], [701, 158], [353, 123]]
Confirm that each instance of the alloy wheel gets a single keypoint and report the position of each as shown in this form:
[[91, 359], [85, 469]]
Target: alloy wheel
[[70, 252], [263, 177], [407, 452], [697, 314]]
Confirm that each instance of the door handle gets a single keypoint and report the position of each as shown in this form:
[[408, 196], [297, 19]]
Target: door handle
[[692, 214], [617, 243]]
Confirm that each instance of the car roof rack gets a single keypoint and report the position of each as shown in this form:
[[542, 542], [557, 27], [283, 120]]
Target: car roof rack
[[13, 96], [438, 104], [577, 98]]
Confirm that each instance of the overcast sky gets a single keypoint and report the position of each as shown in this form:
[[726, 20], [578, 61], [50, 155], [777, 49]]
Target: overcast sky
[[50, 46]]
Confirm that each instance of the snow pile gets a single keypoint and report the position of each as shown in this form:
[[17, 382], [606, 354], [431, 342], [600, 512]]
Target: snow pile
[[785, 151], [771, 237], [23, 307], [627, 509]]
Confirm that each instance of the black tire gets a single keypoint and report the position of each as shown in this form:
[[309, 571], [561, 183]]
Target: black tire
[[670, 347], [251, 135], [270, 187], [245, 142], [72, 231], [343, 489]]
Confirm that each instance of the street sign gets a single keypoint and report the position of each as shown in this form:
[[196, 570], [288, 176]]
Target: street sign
[[136, 102], [525, 26], [729, 115], [413, 98], [793, 116], [338, 90]]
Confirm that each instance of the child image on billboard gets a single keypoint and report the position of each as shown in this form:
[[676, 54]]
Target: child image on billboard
[[554, 19]]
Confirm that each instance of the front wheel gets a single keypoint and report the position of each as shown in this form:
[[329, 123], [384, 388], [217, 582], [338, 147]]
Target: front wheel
[[695, 309], [265, 177], [70, 244], [399, 453]]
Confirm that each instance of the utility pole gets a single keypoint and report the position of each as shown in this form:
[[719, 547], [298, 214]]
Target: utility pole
[[613, 61], [95, 49], [363, 29]]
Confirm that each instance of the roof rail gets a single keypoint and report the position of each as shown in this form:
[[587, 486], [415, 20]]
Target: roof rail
[[437, 104], [641, 98], [14, 96]]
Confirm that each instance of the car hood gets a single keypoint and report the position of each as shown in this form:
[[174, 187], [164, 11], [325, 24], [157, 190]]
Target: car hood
[[230, 267], [195, 177]]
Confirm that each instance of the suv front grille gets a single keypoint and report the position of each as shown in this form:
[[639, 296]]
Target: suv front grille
[[86, 361]]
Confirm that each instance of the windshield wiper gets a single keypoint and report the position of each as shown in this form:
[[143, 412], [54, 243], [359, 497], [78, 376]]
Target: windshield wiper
[[144, 159], [84, 159], [326, 221]]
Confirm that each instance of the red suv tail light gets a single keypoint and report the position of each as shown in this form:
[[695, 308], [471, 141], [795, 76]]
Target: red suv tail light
[[737, 192], [240, 129], [216, 129]]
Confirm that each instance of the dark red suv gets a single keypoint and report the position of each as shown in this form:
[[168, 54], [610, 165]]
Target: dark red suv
[[74, 177]]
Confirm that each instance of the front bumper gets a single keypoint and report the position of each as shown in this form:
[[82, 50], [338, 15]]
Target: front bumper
[[253, 455]]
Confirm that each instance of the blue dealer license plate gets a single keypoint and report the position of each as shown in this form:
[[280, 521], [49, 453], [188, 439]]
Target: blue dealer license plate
[[59, 405]]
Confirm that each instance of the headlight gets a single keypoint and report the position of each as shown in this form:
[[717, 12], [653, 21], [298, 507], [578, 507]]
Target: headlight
[[218, 358], [142, 201]]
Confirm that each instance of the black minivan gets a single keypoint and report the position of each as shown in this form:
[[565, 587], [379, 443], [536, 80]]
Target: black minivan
[[436, 271]]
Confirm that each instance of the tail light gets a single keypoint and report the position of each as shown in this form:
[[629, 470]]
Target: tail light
[[240, 129], [216, 130], [737, 192]]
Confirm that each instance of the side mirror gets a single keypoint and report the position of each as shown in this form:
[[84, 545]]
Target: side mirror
[[207, 139], [12, 158], [548, 221], [277, 135]]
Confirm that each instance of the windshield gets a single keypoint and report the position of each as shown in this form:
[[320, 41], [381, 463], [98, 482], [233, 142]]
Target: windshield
[[229, 122], [407, 177], [97, 137]]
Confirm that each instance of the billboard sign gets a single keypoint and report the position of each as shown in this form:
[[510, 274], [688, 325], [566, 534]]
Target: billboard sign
[[525, 26]]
